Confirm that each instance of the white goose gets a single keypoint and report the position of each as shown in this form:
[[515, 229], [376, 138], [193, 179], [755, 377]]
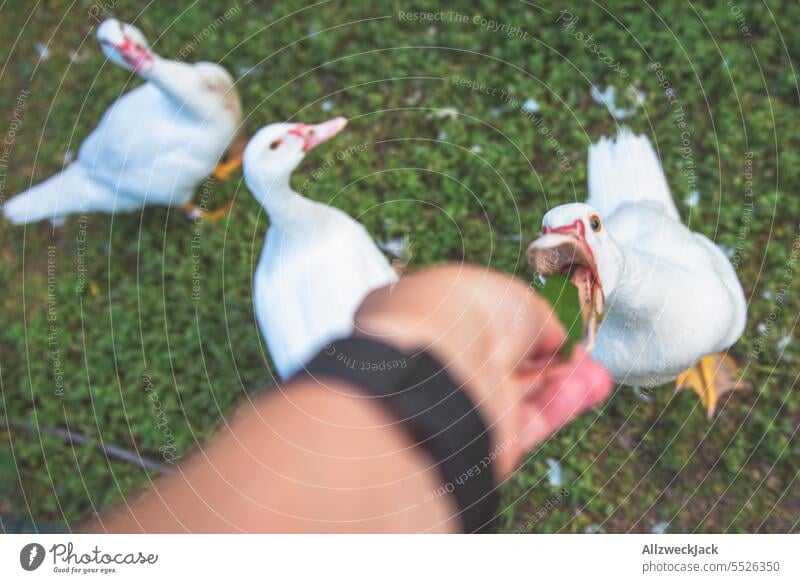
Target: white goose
[[154, 145], [317, 264], [672, 301]]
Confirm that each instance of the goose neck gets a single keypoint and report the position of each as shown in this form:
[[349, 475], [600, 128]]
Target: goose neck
[[283, 204], [179, 82]]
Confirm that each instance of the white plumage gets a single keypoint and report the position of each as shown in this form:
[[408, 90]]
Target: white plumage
[[154, 145], [627, 171], [317, 264], [671, 295]]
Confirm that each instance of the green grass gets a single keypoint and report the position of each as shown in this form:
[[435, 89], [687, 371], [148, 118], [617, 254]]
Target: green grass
[[627, 466]]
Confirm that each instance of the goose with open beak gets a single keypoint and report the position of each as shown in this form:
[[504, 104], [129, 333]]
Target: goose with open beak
[[670, 301], [565, 249]]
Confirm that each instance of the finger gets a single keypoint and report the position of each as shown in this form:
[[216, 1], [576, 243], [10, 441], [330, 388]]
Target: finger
[[548, 368], [567, 391]]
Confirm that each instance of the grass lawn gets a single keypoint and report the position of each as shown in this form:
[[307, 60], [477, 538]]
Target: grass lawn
[[443, 147]]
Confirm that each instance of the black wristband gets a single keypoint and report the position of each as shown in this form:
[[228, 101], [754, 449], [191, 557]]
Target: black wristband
[[440, 417]]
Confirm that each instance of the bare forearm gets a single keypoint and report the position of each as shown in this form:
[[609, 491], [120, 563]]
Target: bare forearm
[[310, 459]]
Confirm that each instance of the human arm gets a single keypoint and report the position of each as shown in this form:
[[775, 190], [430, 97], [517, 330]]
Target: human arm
[[315, 456]]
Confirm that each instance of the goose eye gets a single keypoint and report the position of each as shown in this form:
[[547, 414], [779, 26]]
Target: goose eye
[[594, 223], [274, 145]]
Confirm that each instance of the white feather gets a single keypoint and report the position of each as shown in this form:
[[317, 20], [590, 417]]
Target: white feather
[[626, 170]]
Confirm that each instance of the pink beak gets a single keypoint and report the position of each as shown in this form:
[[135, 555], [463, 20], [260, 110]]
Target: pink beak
[[314, 135], [576, 230], [136, 55]]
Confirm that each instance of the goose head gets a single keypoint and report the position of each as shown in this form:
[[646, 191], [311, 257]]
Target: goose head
[[277, 149], [575, 243], [125, 45]]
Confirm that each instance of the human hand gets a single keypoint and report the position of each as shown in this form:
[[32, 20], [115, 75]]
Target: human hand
[[500, 341]]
